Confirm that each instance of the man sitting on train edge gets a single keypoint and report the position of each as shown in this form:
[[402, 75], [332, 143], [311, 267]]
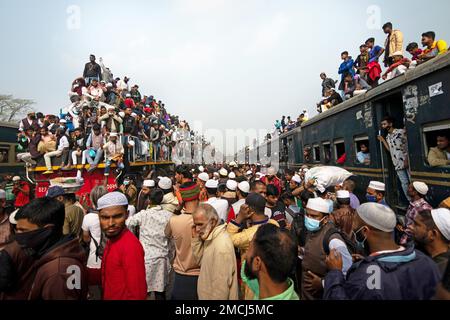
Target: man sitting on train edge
[[440, 155]]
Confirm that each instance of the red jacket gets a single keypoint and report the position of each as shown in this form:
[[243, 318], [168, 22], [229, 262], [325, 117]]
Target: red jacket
[[123, 269], [22, 198], [374, 70], [275, 181]]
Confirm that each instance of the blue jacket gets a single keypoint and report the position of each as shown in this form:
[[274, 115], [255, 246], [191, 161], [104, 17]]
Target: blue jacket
[[406, 275], [346, 67]]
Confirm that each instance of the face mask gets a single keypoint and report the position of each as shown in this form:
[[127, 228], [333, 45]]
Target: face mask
[[371, 198], [33, 241], [360, 239], [126, 182], [312, 225]]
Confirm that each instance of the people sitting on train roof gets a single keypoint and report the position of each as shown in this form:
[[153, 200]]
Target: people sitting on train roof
[[375, 192], [345, 68], [354, 85], [327, 83], [398, 67], [433, 48], [361, 62], [363, 156], [373, 67], [414, 51], [439, 156]]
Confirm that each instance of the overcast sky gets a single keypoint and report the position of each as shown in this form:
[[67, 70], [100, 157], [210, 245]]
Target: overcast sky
[[227, 63]]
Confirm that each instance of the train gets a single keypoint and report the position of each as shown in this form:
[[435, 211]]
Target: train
[[418, 100]]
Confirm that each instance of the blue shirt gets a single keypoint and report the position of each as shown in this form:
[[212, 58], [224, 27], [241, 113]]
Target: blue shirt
[[373, 54]]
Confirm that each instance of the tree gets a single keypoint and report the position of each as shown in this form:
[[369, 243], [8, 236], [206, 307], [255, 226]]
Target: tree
[[12, 109]]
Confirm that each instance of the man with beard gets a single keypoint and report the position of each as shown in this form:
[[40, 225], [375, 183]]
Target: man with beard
[[58, 271], [431, 231], [389, 271], [269, 261], [142, 199], [123, 265], [214, 252]]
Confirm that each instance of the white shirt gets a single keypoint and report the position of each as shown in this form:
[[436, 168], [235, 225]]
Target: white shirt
[[122, 85], [221, 207], [131, 211], [91, 224], [63, 143], [237, 206]]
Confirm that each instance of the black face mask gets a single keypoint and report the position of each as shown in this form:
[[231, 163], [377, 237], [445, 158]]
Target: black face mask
[[35, 242], [248, 269]]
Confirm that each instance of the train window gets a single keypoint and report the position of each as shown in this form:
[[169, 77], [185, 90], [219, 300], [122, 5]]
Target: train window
[[4, 154], [326, 151], [307, 154], [316, 150], [339, 151], [431, 132], [362, 150]]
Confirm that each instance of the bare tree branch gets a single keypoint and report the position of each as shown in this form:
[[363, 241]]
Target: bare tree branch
[[12, 110]]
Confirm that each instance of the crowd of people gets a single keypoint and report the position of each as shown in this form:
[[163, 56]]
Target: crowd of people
[[359, 75], [225, 232], [108, 121]]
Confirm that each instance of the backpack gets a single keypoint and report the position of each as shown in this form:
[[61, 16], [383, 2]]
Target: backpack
[[351, 247]]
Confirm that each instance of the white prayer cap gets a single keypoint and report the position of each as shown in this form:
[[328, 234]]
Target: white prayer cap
[[216, 174], [223, 172], [259, 174], [16, 178], [420, 187], [232, 175], [271, 171], [201, 169], [213, 184], [112, 199], [134, 115], [109, 85], [249, 173], [113, 134], [165, 183], [149, 183], [296, 178], [318, 204], [232, 185], [376, 185], [203, 176], [378, 216], [121, 114], [233, 164], [441, 218], [244, 186], [12, 217], [111, 108], [63, 121], [128, 95], [343, 194]]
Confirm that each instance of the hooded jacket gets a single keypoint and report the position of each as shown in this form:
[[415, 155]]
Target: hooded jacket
[[404, 275]]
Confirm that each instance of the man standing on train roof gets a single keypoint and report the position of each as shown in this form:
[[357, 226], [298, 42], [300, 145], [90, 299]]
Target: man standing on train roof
[[397, 145], [92, 71], [375, 192], [440, 155]]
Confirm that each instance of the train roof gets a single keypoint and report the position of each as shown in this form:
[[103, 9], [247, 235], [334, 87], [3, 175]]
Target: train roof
[[9, 125], [437, 63]]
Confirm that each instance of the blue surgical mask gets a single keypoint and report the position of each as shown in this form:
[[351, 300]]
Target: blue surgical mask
[[126, 182], [371, 198], [312, 225]]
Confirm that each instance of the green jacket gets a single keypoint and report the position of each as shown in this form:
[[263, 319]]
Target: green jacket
[[289, 294]]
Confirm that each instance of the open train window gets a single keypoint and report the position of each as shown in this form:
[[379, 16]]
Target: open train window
[[362, 150], [431, 132], [4, 154], [316, 153], [339, 151], [326, 151]]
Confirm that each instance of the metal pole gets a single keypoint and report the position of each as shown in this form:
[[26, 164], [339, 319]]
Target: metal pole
[[382, 158]]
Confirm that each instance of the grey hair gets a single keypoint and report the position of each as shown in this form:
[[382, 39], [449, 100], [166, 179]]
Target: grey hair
[[97, 193], [208, 210]]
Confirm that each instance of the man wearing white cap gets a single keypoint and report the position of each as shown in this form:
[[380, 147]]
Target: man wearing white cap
[[223, 176], [389, 271], [319, 232], [202, 178], [230, 194], [123, 265], [170, 201], [142, 199], [431, 231], [111, 120], [242, 191], [220, 205], [417, 192], [5, 227], [375, 192], [343, 216]]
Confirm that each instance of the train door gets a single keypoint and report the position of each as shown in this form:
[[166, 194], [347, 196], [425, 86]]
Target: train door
[[391, 106]]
